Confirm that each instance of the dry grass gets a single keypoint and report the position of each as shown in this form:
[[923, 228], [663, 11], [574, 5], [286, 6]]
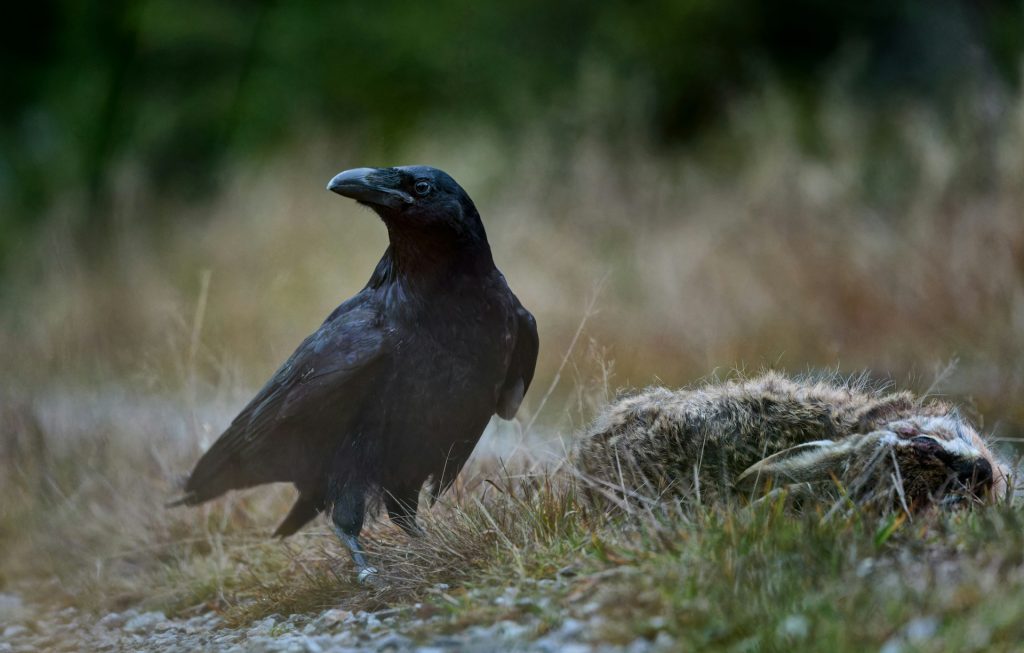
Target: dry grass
[[120, 371], [719, 577]]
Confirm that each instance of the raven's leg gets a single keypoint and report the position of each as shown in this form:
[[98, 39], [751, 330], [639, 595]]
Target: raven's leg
[[401, 507], [347, 519]]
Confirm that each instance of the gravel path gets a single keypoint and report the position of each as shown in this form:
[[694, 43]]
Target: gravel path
[[24, 629]]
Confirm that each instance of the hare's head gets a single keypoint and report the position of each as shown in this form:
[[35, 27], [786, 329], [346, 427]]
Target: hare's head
[[917, 460]]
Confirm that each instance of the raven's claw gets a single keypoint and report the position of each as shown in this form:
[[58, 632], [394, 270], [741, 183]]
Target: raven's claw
[[368, 577]]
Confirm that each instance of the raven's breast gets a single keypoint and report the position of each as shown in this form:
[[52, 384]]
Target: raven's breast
[[441, 392]]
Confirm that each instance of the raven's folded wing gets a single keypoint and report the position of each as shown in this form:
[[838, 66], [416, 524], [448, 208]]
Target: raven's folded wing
[[521, 363], [319, 383]]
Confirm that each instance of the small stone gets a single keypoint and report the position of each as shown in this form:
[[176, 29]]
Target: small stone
[[393, 642], [639, 645], [795, 626], [144, 622], [12, 632], [594, 606], [446, 641], [11, 608], [308, 645], [570, 628], [892, 645], [511, 630], [664, 641], [330, 618], [921, 629], [865, 567], [508, 597], [194, 625], [263, 626], [332, 642]]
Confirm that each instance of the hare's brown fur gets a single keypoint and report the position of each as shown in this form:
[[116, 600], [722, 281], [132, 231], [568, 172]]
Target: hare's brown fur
[[710, 442]]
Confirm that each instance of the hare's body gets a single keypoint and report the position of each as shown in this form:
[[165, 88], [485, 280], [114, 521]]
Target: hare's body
[[742, 435]]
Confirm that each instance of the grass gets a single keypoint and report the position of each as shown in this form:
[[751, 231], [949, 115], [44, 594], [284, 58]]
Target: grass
[[724, 578], [88, 523], [120, 371]]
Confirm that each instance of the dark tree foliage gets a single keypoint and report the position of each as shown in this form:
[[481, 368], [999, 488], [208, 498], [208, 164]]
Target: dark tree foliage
[[184, 86]]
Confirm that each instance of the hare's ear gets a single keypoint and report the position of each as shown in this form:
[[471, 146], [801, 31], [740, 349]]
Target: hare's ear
[[886, 409], [805, 463]]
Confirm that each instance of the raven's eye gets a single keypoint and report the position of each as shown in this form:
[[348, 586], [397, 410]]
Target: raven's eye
[[422, 187]]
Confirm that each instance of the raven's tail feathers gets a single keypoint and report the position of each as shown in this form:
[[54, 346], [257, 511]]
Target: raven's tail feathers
[[187, 500], [305, 509]]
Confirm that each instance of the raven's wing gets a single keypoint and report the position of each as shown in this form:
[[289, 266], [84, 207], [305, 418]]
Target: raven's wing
[[267, 441], [521, 364]]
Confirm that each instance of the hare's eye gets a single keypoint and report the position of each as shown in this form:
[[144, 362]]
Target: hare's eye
[[926, 443], [933, 447], [906, 431]]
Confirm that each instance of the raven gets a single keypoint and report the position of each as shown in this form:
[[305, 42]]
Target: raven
[[397, 385]]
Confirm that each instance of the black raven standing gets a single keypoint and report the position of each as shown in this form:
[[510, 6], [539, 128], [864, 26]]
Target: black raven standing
[[396, 386]]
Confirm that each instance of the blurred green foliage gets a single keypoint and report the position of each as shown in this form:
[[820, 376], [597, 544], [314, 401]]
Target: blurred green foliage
[[182, 87]]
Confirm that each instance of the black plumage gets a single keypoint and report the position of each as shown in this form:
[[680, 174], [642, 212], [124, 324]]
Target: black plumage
[[396, 386]]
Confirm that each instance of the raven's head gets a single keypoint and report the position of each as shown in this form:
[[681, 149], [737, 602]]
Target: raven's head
[[414, 199]]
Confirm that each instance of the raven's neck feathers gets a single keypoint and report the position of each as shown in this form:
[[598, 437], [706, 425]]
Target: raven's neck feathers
[[422, 259]]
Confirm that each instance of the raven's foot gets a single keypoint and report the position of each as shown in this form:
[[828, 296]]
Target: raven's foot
[[369, 577]]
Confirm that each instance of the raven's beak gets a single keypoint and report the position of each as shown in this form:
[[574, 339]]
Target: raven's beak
[[373, 186]]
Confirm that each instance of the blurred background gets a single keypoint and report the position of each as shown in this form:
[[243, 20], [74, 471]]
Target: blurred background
[[800, 184], [793, 183], [701, 185]]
